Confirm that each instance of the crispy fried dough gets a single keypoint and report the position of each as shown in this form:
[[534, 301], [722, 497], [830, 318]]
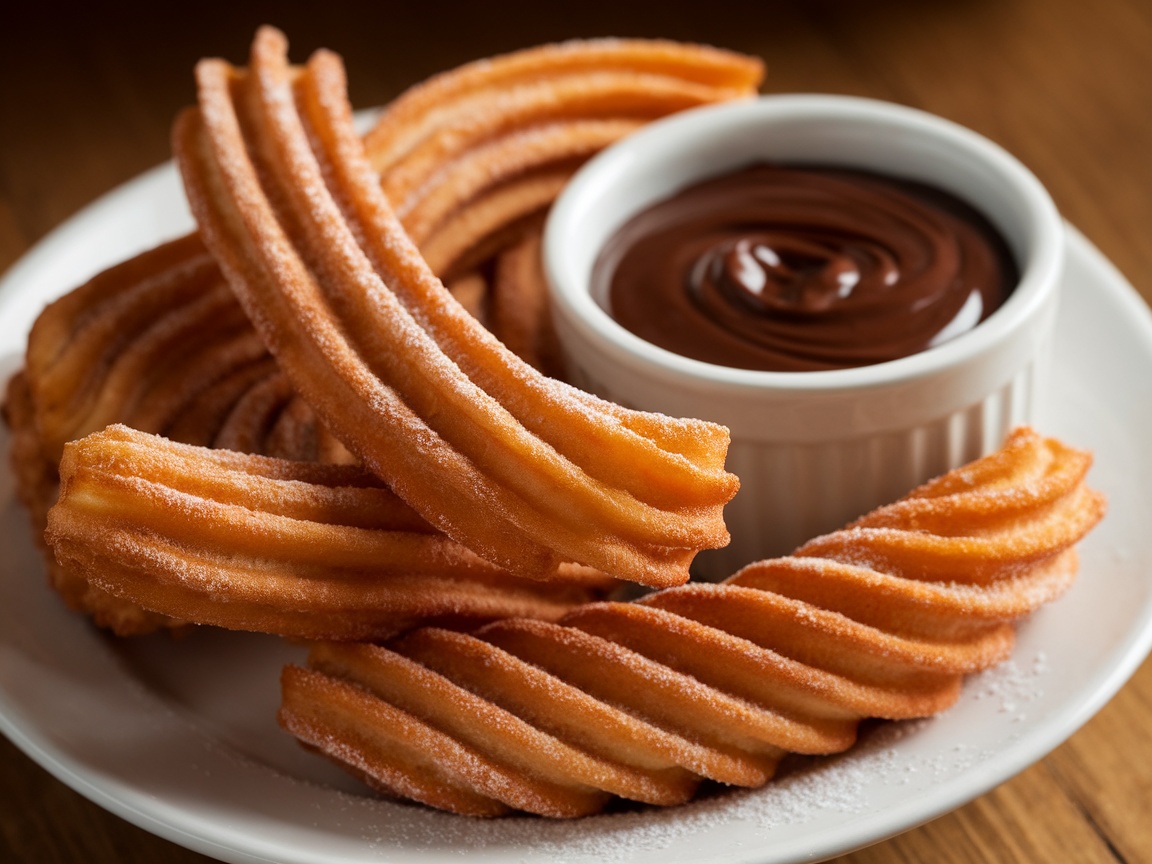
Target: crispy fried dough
[[291, 548], [37, 486], [881, 619], [515, 466], [158, 344]]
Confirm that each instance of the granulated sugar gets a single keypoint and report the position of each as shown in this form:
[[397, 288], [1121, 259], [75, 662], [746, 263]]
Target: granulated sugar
[[808, 790], [895, 763], [1014, 683], [894, 766]]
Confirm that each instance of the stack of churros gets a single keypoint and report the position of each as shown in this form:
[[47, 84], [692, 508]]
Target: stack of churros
[[327, 416], [159, 343]]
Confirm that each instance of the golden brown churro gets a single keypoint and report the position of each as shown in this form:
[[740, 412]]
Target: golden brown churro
[[605, 78], [158, 343], [517, 467], [291, 548], [882, 619]]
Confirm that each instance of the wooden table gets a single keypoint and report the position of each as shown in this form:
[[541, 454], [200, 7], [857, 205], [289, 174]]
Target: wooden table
[[86, 103]]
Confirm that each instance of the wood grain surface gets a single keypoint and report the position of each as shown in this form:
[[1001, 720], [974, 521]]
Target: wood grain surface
[[86, 101]]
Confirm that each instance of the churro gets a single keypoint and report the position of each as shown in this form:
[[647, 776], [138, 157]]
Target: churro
[[517, 467], [297, 549], [37, 486], [881, 619]]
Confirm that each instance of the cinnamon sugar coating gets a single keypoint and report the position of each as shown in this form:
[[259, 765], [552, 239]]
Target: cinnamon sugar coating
[[717, 681], [160, 343], [296, 549], [522, 469]]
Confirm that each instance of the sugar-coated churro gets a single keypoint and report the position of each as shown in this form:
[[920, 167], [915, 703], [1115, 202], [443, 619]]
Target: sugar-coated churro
[[515, 466], [881, 619], [295, 549]]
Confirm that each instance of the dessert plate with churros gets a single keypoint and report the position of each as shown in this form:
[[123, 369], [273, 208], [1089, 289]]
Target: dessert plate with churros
[[306, 479], [179, 735]]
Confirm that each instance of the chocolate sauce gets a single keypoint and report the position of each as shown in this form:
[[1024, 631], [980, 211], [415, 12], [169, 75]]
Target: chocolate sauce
[[803, 268]]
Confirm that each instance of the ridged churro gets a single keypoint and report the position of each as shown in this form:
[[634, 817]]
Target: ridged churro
[[576, 79], [881, 619], [158, 343], [296, 549], [37, 487], [517, 467]]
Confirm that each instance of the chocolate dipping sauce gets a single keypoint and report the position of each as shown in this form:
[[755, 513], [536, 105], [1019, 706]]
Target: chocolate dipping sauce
[[803, 268]]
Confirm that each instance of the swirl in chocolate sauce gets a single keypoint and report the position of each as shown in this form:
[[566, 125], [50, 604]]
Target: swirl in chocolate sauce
[[803, 268]]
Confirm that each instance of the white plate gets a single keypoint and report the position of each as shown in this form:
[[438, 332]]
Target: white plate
[[179, 737]]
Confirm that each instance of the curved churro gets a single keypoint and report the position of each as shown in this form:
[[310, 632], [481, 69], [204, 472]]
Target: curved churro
[[519, 152], [515, 466], [500, 137], [599, 78], [142, 344], [134, 344], [114, 349], [475, 235], [158, 343], [881, 619], [290, 548]]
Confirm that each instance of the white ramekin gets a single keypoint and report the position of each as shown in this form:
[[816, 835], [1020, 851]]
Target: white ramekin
[[813, 450]]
